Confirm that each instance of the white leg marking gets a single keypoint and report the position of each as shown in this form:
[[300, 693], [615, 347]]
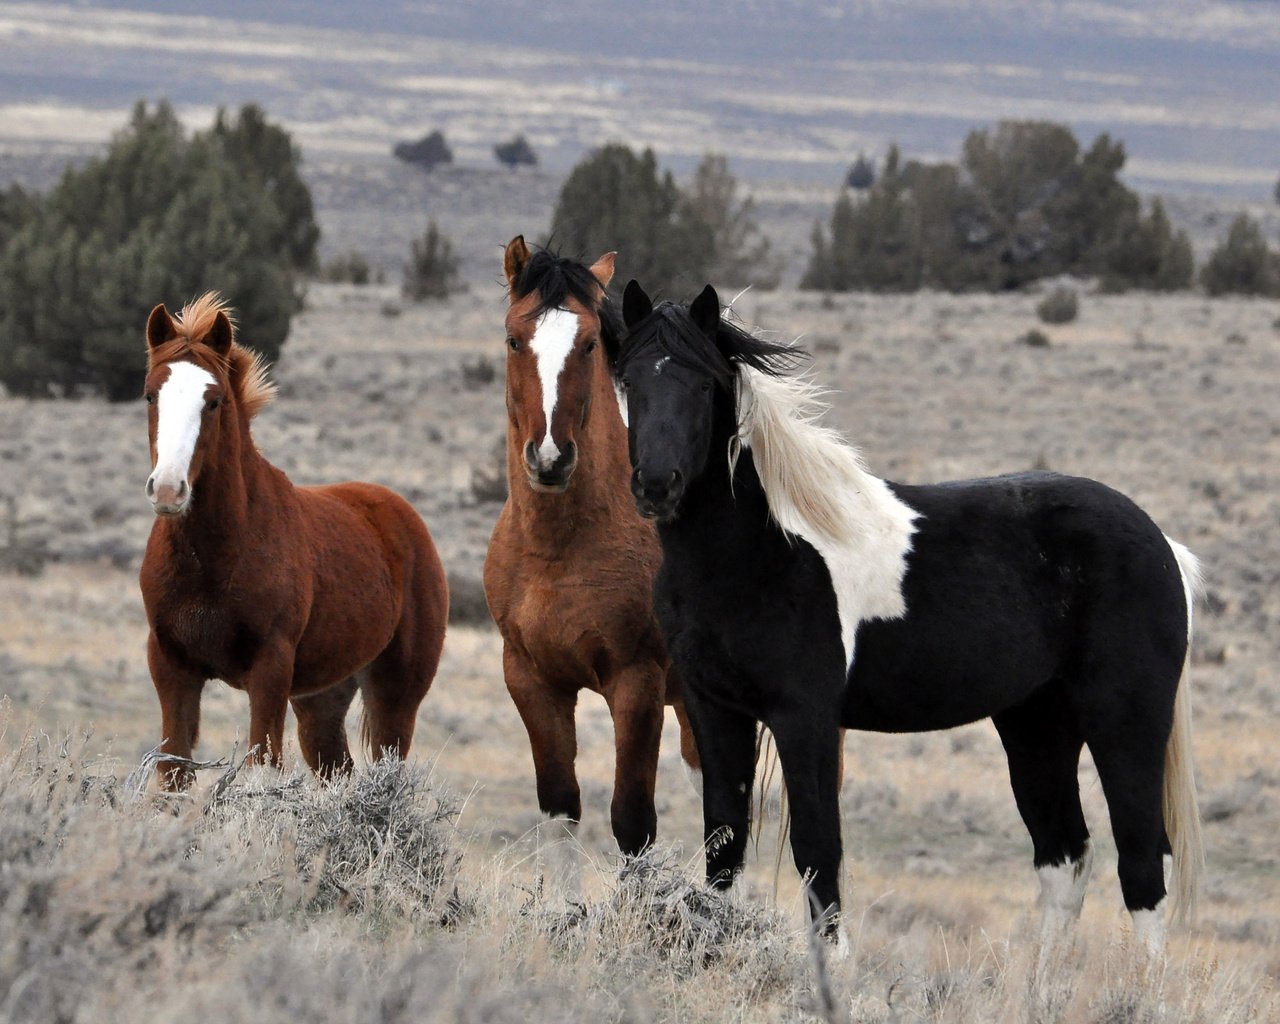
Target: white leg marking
[[694, 776], [181, 403], [1149, 927], [558, 837], [1062, 889], [553, 338]]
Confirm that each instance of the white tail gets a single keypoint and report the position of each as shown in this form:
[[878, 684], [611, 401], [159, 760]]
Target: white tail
[[1181, 811]]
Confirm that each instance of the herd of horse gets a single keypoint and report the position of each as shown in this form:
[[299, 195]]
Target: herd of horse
[[681, 530]]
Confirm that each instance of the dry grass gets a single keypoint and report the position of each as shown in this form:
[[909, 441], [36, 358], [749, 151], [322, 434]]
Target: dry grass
[[277, 897], [287, 900]]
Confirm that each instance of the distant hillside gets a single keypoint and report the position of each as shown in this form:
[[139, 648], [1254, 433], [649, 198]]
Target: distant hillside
[[790, 89]]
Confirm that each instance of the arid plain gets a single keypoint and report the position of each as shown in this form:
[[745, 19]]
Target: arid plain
[[1171, 399]]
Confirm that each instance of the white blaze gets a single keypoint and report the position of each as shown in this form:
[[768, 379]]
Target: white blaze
[[553, 338], [180, 403]]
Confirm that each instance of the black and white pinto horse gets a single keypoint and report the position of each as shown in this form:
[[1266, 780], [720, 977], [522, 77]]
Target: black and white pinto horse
[[800, 591]]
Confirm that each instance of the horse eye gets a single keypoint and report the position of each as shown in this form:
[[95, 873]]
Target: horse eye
[[151, 399], [591, 347], [706, 386], [626, 383], [213, 404], [513, 344]]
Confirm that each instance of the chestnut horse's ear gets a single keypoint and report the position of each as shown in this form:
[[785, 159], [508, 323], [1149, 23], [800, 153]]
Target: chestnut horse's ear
[[221, 335], [705, 311], [635, 304], [514, 258], [160, 327], [602, 269]]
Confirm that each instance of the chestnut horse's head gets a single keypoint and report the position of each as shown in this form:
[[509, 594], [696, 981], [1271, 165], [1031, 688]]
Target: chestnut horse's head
[[200, 387], [562, 340]]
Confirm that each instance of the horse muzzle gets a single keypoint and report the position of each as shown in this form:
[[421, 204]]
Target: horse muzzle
[[168, 499], [657, 494], [550, 476]]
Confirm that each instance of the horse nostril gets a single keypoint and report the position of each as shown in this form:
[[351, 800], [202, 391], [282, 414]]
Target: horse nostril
[[530, 455], [151, 487], [675, 481], [182, 489]]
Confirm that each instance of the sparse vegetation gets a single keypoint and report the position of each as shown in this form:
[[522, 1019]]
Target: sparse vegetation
[[861, 174], [515, 153], [1242, 263], [349, 268], [161, 217], [672, 240], [1060, 306], [1024, 202], [427, 153], [432, 270], [277, 897]]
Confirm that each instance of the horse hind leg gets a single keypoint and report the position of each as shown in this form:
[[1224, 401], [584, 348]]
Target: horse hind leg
[[1043, 746], [393, 687], [322, 730]]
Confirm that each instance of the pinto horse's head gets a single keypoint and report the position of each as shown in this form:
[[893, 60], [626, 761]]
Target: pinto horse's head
[[561, 340], [679, 372], [200, 386]]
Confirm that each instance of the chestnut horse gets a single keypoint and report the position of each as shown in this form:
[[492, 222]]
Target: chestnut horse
[[570, 569], [293, 594]]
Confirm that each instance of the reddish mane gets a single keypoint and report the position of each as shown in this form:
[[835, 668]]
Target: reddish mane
[[245, 369]]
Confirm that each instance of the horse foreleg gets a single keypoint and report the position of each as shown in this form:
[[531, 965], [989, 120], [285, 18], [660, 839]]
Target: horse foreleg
[[635, 702], [547, 713], [727, 744], [809, 750], [179, 691]]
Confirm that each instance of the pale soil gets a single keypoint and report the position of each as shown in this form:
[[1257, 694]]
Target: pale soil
[[1171, 400]]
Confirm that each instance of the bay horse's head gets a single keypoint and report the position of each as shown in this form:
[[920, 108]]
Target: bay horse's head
[[562, 340], [201, 385], [679, 370]]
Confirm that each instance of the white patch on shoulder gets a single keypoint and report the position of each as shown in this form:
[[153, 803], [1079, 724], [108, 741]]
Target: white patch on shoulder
[[553, 338], [818, 490], [180, 404], [1149, 928]]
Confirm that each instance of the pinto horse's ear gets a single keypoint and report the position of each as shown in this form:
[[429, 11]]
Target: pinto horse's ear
[[221, 334], [705, 311], [635, 304], [160, 327], [514, 258], [602, 269]]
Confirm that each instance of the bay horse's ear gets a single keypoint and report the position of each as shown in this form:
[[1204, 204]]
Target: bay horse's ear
[[221, 334], [635, 304], [160, 327], [514, 257], [602, 269], [705, 311]]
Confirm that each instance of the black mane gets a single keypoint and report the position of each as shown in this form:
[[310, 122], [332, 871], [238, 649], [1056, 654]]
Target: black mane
[[557, 279], [673, 331]]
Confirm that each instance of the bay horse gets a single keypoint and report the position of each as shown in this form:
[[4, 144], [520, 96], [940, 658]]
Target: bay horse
[[296, 595], [800, 591], [570, 566]]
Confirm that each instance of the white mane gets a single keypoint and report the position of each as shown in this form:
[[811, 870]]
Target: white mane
[[817, 489]]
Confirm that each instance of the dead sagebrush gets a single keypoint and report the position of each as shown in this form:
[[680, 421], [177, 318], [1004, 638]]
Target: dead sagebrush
[[382, 838]]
